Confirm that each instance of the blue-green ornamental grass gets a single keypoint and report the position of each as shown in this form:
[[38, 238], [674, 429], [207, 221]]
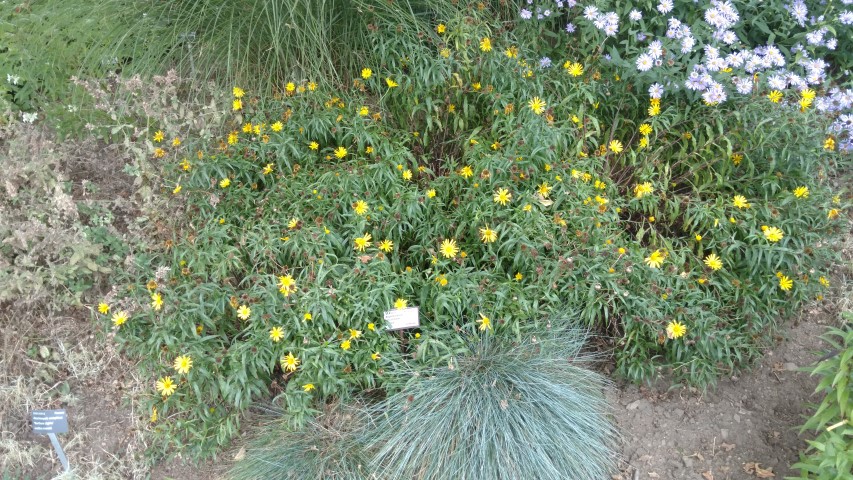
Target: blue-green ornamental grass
[[493, 190]]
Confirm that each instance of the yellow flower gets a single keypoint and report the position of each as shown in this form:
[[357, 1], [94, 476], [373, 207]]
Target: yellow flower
[[574, 69], [119, 318], [308, 387], [449, 248], [267, 169], [238, 92], [371, 327], [698, 237], [293, 223], [366, 73], [156, 301], [313, 145], [153, 414], [166, 386], [362, 242], [655, 260], [391, 83], [643, 189], [277, 126], [431, 193], [544, 189], [773, 234], [375, 356], [364, 111], [644, 142], [183, 364], [775, 96], [502, 196], [785, 283], [247, 128], [237, 104], [801, 192], [290, 87], [537, 105], [832, 213], [739, 201], [485, 323], [713, 262], [645, 129], [652, 219], [360, 207], [675, 330], [276, 334], [615, 146], [441, 280], [486, 44], [176, 142], [159, 136], [488, 235], [345, 345], [440, 28], [737, 158], [808, 94], [407, 175], [386, 245], [466, 171], [286, 285], [341, 152], [654, 110], [527, 207], [185, 165], [289, 363], [829, 144], [244, 312], [823, 281], [159, 153], [444, 52], [177, 189], [400, 303], [622, 250], [103, 308], [224, 183], [518, 276], [511, 52]]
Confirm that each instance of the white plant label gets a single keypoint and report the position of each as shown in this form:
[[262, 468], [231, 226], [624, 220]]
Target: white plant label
[[402, 318]]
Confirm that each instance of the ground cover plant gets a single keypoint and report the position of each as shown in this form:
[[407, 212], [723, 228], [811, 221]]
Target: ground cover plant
[[498, 176]]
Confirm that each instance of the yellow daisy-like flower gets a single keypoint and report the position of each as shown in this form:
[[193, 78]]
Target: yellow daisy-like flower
[[739, 201], [176, 142], [655, 260], [537, 105], [289, 363], [375, 356], [502, 196], [237, 104], [829, 144], [276, 334], [430, 193], [166, 386], [345, 345], [645, 129], [307, 316], [371, 327], [159, 136], [643, 189], [444, 52], [156, 301], [488, 235], [360, 207], [775, 96], [159, 153], [362, 242], [407, 174], [785, 283], [654, 110], [391, 83], [268, 168], [401, 303], [353, 333], [511, 52], [448, 248], [544, 189], [823, 281], [244, 312], [293, 223], [615, 146], [486, 44], [466, 172], [698, 237], [286, 285], [832, 213], [386, 245], [366, 73], [713, 262], [224, 183], [574, 69], [518, 276], [440, 28], [313, 145], [485, 323], [290, 87], [177, 189], [341, 152], [238, 92], [183, 364], [153, 414], [364, 111], [773, 234], [644, 142], [308, 387], [119, 318], [801, 192], [675, 330], [103, 308]]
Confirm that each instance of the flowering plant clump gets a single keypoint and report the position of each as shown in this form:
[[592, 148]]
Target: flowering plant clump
[[491, 189]]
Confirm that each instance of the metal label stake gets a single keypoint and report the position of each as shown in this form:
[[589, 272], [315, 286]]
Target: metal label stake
[[51, 422]]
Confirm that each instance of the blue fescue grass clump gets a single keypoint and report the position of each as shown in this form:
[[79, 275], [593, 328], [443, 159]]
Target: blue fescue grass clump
[[509, 410], [321, 449]]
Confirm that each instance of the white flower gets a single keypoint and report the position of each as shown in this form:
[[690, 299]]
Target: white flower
[[656, 90], [645, 62], [665, 6], [13, 79], [29, 117], [636, 15]]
